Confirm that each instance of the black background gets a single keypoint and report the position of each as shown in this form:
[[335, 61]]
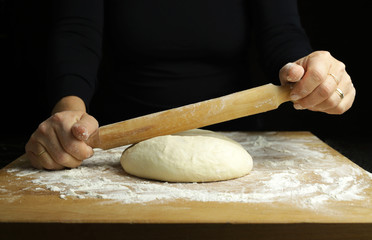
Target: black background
[[341, 27]]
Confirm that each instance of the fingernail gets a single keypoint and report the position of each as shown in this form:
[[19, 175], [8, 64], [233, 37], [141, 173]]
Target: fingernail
[[81, 132], [298, 106], [85, 135], [295, 97], [289, 66]]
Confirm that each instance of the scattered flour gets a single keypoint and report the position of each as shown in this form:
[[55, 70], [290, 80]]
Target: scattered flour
[[309, 179]]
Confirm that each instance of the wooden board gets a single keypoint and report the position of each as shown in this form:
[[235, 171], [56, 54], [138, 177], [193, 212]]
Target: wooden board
[[296, 179]]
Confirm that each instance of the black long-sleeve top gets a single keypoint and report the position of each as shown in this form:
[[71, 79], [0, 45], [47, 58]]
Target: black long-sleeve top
[[165, 53]]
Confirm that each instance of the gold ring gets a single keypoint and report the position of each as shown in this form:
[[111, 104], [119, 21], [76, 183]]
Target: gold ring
[[334, 78], [340, 93], [41, 153]]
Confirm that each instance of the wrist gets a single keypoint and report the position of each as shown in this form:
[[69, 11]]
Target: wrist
[[69, 103]]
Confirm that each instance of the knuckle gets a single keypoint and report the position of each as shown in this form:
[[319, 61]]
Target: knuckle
[[90, 122], [43, 128], [31, 144], [321, 53], [33, 139], [29, 155], [342, 66], [58, 117], [353, 92], [28, 145], [324, 53], [95, 122]]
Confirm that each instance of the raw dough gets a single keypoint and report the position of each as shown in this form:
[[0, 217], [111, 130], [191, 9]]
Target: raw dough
[[191, 156]]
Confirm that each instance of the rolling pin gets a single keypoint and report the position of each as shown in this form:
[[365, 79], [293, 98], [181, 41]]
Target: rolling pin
[[236, 105]]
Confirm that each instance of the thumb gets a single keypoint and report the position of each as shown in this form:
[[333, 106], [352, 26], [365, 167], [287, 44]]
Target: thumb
[[84, 127], [291, 72]]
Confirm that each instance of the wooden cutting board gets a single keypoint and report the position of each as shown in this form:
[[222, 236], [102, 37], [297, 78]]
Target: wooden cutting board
[[297, 180]]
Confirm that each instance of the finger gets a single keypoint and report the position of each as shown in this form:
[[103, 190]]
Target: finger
[[46, 136], [320, 94], [33, 159], [325, 96], [40, 158], [291, 72], [344, 105], [32, 152], [48, 163], [349, 95], [58, 153], [332, 102], [338, 103], [317, 66], [62, 125], [84, 127]]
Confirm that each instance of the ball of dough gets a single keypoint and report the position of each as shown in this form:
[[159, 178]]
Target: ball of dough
[[191, 156]]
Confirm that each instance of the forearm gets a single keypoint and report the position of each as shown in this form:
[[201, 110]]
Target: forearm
[[69, 103]]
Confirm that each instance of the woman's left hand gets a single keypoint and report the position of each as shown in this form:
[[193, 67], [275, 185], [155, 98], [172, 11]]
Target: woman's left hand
[[320, 83]]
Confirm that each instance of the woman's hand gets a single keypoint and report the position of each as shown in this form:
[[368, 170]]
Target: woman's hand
[[321, 83], [59, 141]]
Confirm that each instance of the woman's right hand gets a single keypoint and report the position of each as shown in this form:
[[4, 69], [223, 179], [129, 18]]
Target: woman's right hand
[[59, 141]]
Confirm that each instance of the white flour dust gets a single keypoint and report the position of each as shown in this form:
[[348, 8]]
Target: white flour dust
[[285, 170]]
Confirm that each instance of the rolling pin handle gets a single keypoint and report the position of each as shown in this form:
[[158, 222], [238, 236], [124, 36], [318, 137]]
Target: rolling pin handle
[[94, 140]]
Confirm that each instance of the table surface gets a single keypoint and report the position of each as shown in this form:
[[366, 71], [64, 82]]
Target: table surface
[[296, 179]]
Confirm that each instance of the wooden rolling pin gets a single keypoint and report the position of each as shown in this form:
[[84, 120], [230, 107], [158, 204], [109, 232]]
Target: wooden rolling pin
[[240, 104]]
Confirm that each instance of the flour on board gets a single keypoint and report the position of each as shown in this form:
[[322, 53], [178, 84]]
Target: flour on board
[[310, 179]]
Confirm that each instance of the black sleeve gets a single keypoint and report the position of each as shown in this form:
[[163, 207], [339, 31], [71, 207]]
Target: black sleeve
[[279, 34], [75, 49]]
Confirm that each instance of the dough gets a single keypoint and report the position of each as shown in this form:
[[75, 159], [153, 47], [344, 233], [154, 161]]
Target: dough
[[191, 156]]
